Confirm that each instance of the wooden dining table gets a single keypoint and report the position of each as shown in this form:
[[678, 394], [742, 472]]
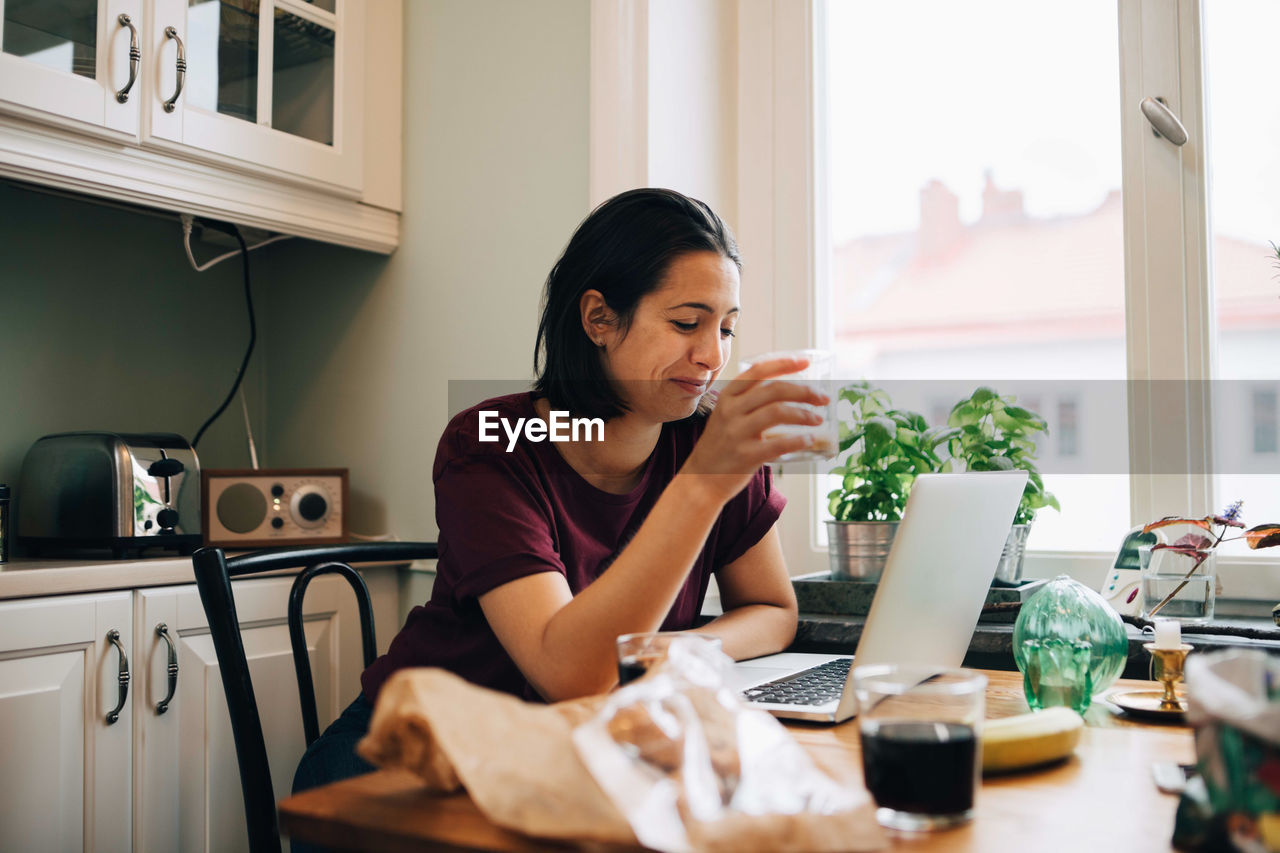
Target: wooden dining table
[[1103, 798]]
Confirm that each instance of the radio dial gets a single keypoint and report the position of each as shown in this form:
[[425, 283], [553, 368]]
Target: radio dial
[[309, 507]]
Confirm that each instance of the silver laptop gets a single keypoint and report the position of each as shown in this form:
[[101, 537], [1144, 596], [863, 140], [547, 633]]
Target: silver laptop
[[926, 605]]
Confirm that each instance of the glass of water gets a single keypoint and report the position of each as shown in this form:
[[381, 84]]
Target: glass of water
[[826, 437], [1164, 574]]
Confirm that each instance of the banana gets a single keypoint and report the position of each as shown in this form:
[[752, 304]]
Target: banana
[[1029, 739]]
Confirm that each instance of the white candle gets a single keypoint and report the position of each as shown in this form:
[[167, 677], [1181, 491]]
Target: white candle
[[1168, 634]]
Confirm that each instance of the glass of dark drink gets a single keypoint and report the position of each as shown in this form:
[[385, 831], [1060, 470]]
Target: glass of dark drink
[[638, 652], [921, 730]]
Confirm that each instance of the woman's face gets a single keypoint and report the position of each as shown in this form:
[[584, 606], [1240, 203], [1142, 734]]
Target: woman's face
[[678, 340]]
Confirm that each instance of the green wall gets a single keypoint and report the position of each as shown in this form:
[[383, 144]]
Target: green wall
[[495, 180], [104, 325]]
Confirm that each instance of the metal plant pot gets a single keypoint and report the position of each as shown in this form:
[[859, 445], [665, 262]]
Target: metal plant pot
[[1009, 569], [858, 549]]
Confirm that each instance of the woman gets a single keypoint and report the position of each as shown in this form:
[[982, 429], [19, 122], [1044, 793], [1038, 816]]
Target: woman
[[549, 550]]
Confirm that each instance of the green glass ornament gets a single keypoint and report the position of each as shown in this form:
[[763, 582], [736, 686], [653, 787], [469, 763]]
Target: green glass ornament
[[1069, 645]]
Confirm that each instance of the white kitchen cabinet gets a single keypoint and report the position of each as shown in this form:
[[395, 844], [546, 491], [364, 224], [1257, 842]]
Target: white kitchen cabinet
[[272, 86], [68, 62], [282, 115], [157, 782], [187, 794], [67, 772]]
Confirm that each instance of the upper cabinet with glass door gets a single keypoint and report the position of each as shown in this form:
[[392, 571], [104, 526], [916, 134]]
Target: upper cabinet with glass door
[[266, 87], [262, 85], [74, 63]]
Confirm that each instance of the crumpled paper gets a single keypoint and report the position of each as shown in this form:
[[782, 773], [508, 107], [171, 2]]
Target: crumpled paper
[[693, 768], [519, 764]]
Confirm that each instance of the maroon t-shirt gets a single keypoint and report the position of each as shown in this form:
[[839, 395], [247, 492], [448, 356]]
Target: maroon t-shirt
[[506, 515]]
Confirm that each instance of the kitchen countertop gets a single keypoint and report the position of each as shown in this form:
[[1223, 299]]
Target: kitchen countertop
[[25, 577]]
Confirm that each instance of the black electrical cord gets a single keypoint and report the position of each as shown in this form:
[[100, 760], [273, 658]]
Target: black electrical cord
[[253, 328]]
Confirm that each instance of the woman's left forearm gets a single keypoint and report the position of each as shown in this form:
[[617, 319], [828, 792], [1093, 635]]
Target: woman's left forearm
[[759, 602], [753, 630]]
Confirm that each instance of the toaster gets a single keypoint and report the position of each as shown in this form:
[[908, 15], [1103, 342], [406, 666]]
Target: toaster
[[103, 490]]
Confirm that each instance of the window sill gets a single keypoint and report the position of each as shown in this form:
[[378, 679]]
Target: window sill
[[992, 643]]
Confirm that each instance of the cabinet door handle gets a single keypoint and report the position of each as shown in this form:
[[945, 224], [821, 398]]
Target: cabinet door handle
[[135, 57], [114, 637], [163, 705], [170, 32]]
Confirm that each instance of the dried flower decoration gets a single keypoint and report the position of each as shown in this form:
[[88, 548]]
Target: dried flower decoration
[[1198, 546]]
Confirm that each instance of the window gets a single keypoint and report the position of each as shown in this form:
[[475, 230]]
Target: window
[[1244, 218], [976, 197], [976, 236], [1265, 423], [1068, 428]]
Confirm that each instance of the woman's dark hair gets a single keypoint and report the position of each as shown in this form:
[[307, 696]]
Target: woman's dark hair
[[622, 249]]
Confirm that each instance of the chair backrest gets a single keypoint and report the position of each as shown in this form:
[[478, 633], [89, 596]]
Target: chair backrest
[[214, 571]]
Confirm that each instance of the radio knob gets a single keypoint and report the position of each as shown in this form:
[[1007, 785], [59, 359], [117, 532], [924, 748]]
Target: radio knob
[[313, 507], [309, 507]]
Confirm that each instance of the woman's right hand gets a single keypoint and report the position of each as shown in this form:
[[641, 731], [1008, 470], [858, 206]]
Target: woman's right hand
[[733, 445]]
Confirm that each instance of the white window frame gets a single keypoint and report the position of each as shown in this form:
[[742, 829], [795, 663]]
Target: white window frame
[[1169, 306], [778, 210]]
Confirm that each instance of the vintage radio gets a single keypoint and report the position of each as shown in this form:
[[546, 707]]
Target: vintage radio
[[258, 508]]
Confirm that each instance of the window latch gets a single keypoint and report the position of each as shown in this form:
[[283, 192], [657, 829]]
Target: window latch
[[1163, 121]]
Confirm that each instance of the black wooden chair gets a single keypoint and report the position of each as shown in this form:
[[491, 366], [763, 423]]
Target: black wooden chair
[[214, 571]]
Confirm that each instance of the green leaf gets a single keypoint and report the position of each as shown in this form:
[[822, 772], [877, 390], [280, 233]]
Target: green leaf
[[879, 431], [963, 415], [983, 395]]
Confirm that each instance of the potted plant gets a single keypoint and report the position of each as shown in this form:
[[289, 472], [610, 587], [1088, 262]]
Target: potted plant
[[992, 434], [887, 449]]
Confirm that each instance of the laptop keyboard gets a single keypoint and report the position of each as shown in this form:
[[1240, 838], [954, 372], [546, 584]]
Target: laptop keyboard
[[815, 686]]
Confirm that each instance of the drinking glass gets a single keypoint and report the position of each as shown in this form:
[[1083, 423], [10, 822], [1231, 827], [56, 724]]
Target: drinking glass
[[1164, 572], [817, 375], [920, 728], [638, 652]]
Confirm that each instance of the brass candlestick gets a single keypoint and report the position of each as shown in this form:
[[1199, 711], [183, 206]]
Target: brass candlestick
[[1167, 669]]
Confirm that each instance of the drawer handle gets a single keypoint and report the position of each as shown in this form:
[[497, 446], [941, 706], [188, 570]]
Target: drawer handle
[[135, 58], [114, 637], [163, 705], [170, 32]]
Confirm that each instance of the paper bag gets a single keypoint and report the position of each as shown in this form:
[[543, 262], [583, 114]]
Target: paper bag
[[515, 759], [518, 762]]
